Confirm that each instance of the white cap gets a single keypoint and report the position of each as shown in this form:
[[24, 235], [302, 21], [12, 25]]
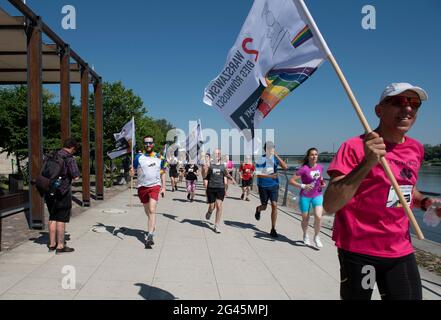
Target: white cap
[[396, 88]]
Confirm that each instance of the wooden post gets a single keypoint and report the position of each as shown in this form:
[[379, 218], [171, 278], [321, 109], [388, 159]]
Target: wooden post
[[99, 158], [85, 148], [35, 121], [65, 92]]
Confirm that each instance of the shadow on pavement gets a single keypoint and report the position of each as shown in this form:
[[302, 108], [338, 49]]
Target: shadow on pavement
[[185, 200], [198, 223], [266, 236], [241, 225], [43, 239], [136, 233], [153, 293]]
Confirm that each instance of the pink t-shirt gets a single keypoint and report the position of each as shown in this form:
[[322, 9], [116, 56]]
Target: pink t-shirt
[[311, 175], [230, 165], [373, 221]]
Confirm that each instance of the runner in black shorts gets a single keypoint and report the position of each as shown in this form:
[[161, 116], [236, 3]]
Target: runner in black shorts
[[173, 173], [215, 182]]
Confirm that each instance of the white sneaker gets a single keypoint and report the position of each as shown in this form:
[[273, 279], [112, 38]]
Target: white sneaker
[[306, 240], [216, 229], [318, 242]]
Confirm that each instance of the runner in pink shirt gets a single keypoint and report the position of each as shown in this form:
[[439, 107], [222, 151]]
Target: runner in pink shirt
[[371, 229]]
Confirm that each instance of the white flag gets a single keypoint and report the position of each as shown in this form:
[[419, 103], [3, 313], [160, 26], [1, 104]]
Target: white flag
[[125, 140], [193, 143], [274, 53]]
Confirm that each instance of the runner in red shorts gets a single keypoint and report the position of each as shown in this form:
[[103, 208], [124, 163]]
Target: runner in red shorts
[[151, 182]]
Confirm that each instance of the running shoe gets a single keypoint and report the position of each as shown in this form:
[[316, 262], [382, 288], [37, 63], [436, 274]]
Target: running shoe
[[208, 215], [273, 233], [306, 240], [216, 229], [318, 242], [64, 249], [257, 214], [247, 199], [149, 242]]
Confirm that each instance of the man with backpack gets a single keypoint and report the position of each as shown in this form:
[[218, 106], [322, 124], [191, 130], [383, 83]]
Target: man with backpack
[[61, 168]]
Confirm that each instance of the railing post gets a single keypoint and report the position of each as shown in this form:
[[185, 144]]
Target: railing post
[[285, 195]]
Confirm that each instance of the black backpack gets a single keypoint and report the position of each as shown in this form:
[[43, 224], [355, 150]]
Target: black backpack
[[52, 175]]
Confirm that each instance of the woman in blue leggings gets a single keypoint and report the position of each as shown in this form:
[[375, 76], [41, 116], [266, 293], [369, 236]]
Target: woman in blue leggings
[[311, 176]]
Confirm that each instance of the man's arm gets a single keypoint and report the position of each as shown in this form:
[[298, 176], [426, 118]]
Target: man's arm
[[342, 188], [281, 162], [163, 183], [423, 202]]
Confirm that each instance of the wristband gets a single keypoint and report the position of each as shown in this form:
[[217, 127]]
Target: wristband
[[423, 204], [302, 186]]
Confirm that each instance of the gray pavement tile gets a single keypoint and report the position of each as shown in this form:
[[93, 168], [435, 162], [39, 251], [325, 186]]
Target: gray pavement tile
[[184, 290], [252, 292]]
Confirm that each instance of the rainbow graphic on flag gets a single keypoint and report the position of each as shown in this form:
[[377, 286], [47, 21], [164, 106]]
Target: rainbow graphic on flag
[[280, 82], [304, 35]]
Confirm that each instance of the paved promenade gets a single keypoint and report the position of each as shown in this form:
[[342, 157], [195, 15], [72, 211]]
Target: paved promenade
[[188, 261]]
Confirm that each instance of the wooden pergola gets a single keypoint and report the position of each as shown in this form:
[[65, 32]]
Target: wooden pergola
[[25, 59]]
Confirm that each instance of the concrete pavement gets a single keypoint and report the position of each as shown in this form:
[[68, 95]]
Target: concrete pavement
[[188, 261]]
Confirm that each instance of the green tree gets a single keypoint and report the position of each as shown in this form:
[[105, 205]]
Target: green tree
[[14, 121]]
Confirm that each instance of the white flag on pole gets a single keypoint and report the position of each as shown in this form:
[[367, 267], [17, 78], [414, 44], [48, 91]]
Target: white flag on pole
[[125, 141], [274, 53], [194, 142]]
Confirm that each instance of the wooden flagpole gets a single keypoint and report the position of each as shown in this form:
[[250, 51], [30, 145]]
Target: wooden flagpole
[[132, 145], [360, 115]]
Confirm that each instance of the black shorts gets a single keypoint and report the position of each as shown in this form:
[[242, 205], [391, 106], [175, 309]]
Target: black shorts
[[214, 194], [247, 183], [396, 278], [59, 207], [173, 172], [270, 193]]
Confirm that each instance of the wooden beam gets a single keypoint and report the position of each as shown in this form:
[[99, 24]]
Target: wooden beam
[[35, 122], [65, 93], [85, 147], [99, 158]]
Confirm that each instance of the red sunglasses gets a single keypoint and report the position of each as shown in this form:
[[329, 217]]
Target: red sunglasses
[[402, 101]]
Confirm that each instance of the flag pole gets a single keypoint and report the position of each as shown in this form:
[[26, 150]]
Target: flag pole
[[360, 114], [131, 178]]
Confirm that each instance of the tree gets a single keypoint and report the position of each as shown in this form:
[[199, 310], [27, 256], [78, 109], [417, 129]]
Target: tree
[[119, 106], [14, 121]]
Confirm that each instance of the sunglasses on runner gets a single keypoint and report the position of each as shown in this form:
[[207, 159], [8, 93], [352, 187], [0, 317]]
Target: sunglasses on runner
[[148, 143], [402, 101]]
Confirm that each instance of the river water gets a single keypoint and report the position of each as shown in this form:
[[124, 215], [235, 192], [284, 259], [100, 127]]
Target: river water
[[429, 180]]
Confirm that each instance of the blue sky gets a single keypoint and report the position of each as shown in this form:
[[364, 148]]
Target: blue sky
[[168, 51]]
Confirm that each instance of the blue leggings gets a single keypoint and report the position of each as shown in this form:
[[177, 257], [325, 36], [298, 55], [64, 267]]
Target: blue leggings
[[305, 203]]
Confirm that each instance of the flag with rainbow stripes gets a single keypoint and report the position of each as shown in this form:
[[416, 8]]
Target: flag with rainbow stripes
[[274, 53]]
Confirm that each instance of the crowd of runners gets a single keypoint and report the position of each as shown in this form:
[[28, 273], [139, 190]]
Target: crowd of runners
[[370, 225], [216, 172]]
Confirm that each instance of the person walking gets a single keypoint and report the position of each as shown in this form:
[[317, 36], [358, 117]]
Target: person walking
[[268, 183], [230, 167], [312, 183], [191, 176], [59, 203], [173, 172], [151, 181], [246, 174]]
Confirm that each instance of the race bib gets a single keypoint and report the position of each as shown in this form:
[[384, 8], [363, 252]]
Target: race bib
[[392, 199]]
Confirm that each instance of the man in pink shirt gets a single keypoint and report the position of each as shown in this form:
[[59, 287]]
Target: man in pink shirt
[[371, 229]]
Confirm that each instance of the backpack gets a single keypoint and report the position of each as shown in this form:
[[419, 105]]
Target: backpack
[[52, 174]]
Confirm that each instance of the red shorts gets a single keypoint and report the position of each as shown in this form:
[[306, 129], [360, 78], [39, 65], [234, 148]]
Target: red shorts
[[147, 193]]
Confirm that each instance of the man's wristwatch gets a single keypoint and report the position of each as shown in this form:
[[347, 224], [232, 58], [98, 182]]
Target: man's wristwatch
[[423, 204]]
